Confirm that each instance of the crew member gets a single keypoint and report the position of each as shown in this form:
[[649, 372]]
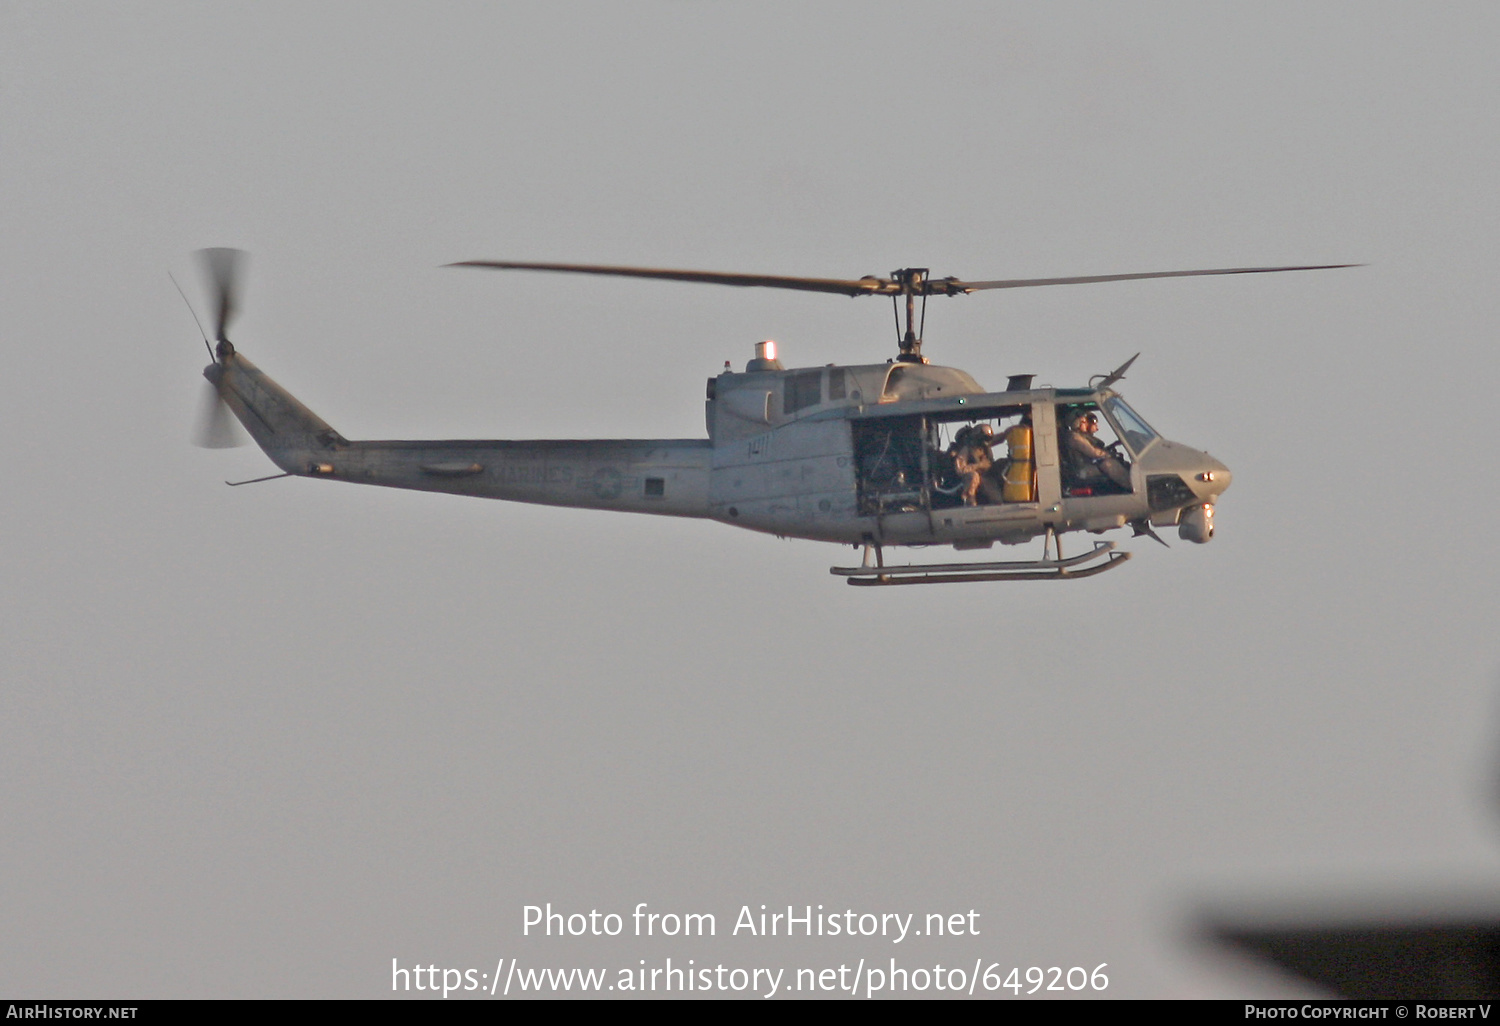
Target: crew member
[[972, 459], [1090, 461]]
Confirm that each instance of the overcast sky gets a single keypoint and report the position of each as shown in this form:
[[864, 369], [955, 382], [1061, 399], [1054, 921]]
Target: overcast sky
[[259, 742]]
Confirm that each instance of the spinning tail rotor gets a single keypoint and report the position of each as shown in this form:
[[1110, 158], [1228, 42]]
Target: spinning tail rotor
[[224, 271]]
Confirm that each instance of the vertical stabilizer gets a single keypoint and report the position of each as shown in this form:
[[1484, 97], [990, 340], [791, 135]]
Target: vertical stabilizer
[[291, 434]]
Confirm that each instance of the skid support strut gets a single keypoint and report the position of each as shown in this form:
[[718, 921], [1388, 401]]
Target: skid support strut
[[1103, 557], [873, 560]]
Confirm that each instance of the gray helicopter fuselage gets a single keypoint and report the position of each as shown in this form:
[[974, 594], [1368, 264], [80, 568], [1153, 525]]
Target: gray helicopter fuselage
[[839, 454], [788, 459]]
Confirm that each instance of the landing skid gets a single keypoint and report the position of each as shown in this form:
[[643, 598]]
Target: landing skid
[[1043, 569]]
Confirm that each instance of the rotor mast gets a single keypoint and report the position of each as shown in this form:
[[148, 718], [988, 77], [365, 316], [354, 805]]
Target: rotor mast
[[913, 282]]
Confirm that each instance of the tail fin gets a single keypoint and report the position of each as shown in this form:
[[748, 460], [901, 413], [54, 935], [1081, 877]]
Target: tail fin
[[290, 433]]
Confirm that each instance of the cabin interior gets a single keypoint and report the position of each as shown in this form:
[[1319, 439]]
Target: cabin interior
[[928, 462]]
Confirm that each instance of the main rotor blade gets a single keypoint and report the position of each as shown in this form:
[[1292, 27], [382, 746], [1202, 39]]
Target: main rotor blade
[[848, 287], [868, 285], [951, 285], [225, 270]]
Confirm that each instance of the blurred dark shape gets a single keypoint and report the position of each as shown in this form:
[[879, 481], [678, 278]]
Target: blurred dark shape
[[1433, 946], [1390, 960]]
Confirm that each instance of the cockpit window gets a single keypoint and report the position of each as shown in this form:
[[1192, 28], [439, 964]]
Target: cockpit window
[[1136, 432]]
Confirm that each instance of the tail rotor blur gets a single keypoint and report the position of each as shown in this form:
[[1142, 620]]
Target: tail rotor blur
[[224, 270], [217, 428]]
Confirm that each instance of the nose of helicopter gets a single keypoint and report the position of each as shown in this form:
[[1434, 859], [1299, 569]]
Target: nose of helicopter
[[1212, 479]]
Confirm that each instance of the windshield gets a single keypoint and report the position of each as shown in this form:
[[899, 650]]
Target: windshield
[[1136, 432]]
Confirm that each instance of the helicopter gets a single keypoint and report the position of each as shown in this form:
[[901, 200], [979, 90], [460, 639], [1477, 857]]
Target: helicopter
[[893, 454]]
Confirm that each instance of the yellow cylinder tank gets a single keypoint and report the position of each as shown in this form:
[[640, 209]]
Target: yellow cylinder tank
[[1019, 482]]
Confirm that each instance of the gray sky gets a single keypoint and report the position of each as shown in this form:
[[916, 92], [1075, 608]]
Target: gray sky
[[259, 742]]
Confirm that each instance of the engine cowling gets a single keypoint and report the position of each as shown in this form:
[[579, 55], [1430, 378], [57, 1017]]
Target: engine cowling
[[1197, 524]]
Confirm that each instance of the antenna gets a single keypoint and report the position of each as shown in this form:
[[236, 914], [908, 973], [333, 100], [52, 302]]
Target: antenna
[[195, 316]]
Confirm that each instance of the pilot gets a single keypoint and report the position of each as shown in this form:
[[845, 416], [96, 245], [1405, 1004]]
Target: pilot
[[1091, 462], [972, 459]]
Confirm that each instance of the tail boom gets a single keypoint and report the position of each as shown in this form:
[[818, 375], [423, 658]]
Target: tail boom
[[662, 476]]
